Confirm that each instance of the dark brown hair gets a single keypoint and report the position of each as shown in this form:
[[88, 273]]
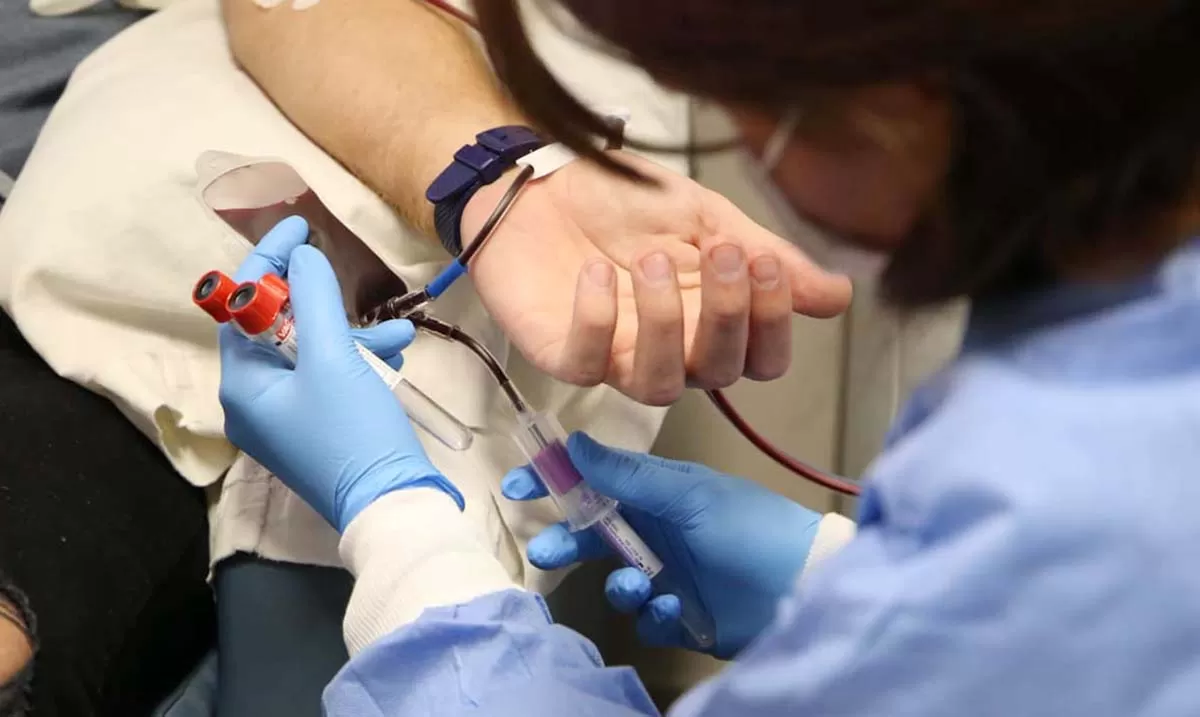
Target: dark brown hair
[[1078, 121]]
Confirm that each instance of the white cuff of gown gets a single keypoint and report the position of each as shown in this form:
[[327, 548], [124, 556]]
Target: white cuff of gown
[[834, 531], [411, 550]]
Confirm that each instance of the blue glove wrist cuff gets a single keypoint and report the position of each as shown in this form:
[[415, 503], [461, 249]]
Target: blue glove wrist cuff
[[354, 505], [440, 482]]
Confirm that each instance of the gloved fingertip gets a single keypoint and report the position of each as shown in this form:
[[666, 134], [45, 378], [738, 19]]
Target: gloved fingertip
[[627, 589], [666, 608], [285, 236], [293, 225], [658, 623], [271, 254], [552, 548], [404, 330], [589, 545], [522, 484], [396, 362], [316, 298], [386, 339]]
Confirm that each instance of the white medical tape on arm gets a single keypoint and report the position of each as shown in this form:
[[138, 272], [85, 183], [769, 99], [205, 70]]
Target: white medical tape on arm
[[547, 160], [410, 550], [553, 157]]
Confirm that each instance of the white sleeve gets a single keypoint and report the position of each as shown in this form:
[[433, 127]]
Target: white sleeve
[[834, 531], [411, 550]]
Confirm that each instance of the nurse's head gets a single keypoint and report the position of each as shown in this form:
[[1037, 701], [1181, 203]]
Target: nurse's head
[[985, 145]]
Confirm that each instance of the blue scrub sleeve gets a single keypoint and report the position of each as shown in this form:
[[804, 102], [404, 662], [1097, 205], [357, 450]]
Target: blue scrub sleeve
[[986, 611], [499, 655]]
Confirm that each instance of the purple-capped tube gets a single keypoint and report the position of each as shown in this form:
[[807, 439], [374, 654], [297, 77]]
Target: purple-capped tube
[[544, 442]]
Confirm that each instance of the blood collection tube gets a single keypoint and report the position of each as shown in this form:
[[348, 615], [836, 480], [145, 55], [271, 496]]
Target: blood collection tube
[[543, 440], [212, 294], [262, 312]]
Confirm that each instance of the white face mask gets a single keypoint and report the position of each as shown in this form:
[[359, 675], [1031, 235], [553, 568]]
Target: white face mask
[[861, 265]]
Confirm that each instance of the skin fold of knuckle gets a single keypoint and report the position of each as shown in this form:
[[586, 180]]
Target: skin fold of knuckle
[[769, 361], [662, 316], [586, 376], [714, 377], [727, 318], [773, 328], [661, 395], [594, 323]]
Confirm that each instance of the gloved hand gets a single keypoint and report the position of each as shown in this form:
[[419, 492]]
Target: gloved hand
[[735, 545], [329, 428]]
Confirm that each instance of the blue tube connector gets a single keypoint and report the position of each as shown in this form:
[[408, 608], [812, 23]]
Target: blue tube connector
[[444, 280]]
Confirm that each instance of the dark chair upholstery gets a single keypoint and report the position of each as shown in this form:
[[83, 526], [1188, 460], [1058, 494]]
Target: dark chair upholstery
[[108, 543]]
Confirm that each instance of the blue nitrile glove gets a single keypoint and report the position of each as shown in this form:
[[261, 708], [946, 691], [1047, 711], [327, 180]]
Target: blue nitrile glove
[[330, 429], [739, 546]]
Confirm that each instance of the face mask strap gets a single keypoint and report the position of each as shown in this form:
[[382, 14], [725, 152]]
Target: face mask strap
[[780, 139]]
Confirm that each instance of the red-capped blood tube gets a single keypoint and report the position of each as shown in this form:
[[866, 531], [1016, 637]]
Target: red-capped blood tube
[[263, 312], [212, 292]]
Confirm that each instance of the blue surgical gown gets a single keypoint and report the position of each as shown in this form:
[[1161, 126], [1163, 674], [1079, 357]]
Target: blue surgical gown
[[1029, 545]]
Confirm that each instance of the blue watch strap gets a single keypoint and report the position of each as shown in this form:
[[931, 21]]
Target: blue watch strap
[[447, 220], [474, 166]]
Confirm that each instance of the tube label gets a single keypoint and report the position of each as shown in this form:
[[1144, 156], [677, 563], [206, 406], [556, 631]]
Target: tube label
[[621, 537], [283, 337]]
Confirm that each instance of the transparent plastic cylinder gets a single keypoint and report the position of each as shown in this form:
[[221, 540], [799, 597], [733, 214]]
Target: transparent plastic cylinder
[[544, 442]]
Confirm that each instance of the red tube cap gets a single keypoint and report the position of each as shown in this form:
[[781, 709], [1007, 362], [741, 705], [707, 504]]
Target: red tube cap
[[256, 306], [212, 294], [272, 283]]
